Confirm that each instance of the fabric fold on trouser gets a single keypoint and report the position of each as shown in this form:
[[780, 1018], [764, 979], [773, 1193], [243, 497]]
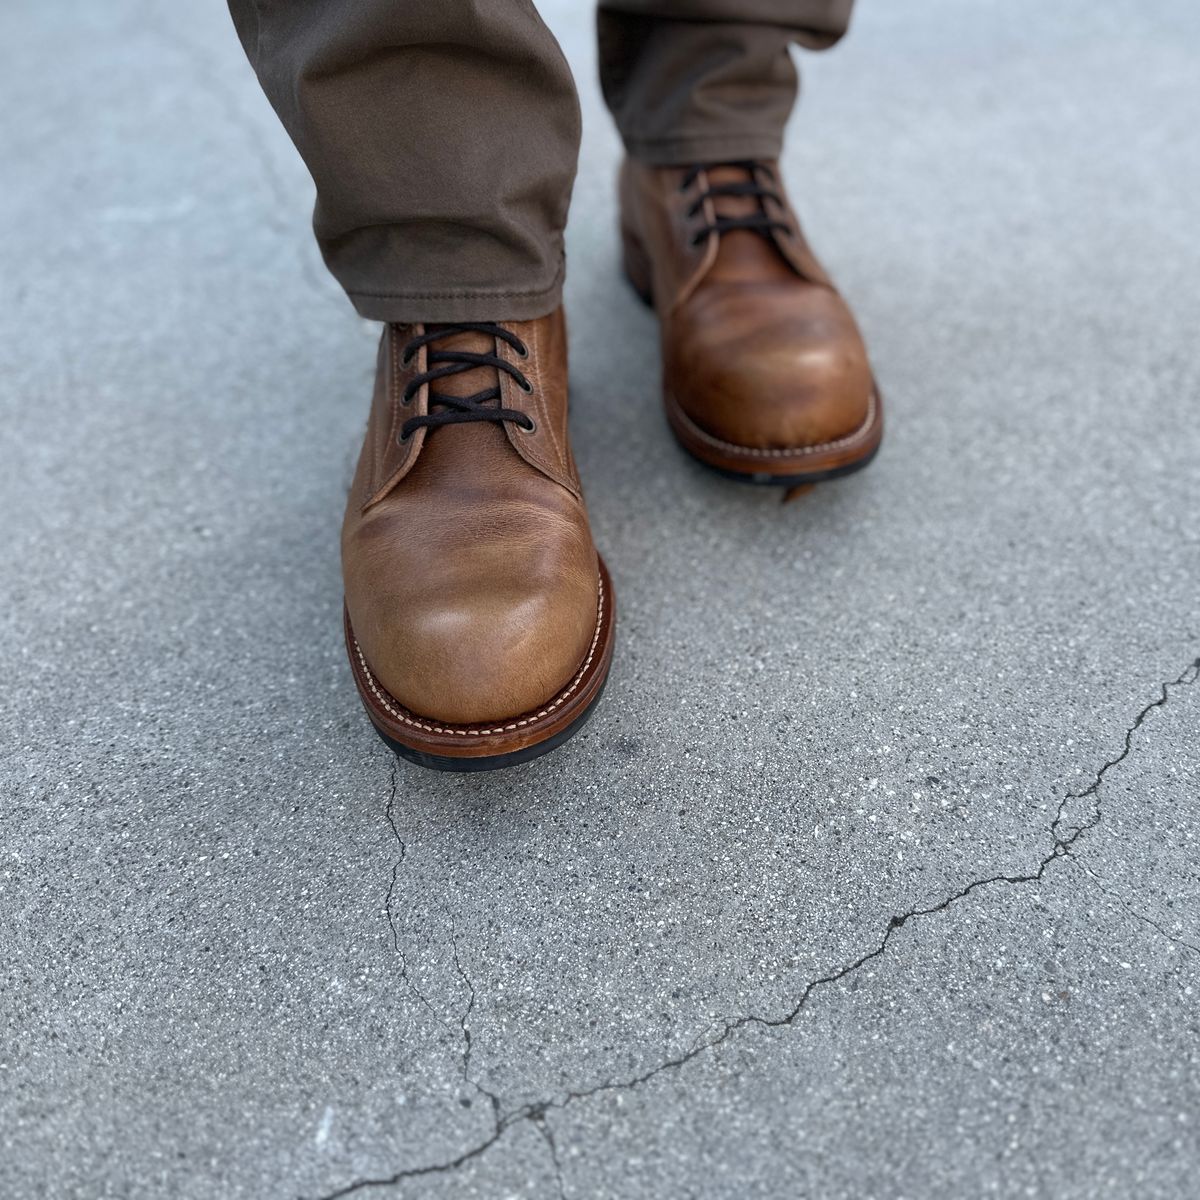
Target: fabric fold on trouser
[[443, 135]]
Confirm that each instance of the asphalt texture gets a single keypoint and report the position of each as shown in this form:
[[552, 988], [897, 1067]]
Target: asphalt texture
[[876, 873]]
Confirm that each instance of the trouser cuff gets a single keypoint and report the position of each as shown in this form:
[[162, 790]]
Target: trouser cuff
[[411, 308], [704, 148]]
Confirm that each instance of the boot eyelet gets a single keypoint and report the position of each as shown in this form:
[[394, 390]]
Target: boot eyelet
[[530, 428], [522, 350], [406, 397], [525, 386], [402, 438]]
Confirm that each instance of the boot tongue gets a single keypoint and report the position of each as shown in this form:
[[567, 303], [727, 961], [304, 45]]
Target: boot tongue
[[467, 383], [458, 455], [744, 255]]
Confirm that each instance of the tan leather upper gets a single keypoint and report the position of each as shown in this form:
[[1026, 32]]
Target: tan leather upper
[[471, 578], [759, 349]]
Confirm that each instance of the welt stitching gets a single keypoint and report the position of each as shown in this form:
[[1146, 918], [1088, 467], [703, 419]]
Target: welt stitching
[[819, 448], [469, 731]]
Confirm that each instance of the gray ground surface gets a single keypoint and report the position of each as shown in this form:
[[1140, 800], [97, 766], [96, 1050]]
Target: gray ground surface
[[876, 874]]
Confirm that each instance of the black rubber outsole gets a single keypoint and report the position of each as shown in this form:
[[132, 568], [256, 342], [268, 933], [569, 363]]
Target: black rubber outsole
[[491, 762]]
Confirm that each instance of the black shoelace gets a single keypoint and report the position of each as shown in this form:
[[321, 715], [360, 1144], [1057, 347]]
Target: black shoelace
[[759, 222], [458, 410]]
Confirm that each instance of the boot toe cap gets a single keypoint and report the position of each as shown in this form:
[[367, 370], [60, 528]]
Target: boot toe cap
[[484, 652], [790, 380]]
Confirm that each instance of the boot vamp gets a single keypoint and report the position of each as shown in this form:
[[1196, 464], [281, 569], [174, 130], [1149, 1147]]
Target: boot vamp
[[472, 588]]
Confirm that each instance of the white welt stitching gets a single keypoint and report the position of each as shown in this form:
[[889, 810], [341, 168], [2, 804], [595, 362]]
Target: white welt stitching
[[792, 452], [385, 697]]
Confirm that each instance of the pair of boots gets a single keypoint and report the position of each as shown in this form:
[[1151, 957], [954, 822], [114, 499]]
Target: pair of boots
[[479, 617]]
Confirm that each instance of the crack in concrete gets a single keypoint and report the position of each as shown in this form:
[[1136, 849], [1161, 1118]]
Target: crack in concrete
[[1145, 918], [466, 1015], [464, 1028], [1060, 847], [542, 1123], [1182, 942], [405, 977], [468, 1043], [387, 900]]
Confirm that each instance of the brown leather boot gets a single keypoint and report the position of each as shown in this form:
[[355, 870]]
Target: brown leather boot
[[765, 375], [479, 617]]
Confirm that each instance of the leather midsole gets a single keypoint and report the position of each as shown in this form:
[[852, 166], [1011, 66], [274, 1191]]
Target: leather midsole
[[860, 443]]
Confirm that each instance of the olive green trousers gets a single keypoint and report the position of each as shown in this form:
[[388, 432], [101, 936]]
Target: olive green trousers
[[443, 134]]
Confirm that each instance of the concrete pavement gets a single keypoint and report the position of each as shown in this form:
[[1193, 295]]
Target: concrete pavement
[[876, 874]]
